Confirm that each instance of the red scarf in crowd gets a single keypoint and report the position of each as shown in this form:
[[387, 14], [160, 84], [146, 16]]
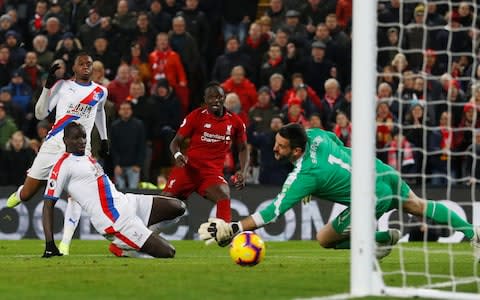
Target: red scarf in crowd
[[406, 148], [446, 141], [253, 44], [161, 60], [275, 62]]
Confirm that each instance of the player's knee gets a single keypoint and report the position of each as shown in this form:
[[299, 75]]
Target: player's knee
[[179, 207]]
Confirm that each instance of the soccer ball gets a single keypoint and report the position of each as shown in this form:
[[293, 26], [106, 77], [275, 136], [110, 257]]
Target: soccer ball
[[247, 249]]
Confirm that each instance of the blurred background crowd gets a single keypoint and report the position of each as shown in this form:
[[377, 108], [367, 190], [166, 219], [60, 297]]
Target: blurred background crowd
[[279, 61]]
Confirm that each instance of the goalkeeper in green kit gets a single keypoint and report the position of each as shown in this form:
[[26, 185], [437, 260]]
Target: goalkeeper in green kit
[[323, 169]]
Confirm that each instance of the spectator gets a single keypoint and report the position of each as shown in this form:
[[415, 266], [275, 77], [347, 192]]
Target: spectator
[[272, 171], [234, 105], [331, 102], [56, 11], [5, 25], [37, 23], [163, 116], [385, 56], [144, 34], [98, 73], [119, 88], [185, 45], [400, 154], [76, 11], [266, 28], [343, 128], [107, 54], [308, 106], [138, 5], [322, 34], [17, 53], [237, 16], [315, 11], [343, 42], [13, 110], [127, 136], [166, 63], [172, 7], [161, 20], [40, 46], [296, 30], [416, 33], [255, 47], [263, 111], [315, 68], [31, 71], [7, 126], [441, 141], [274, 63], [6, 66], [384, 121], [113, 34], [21, 92], [19, 157], [344, 13], [315, 121], [277, 91], [276, 12], [53, 32], [414, 131], [244, 88], [472, 161], [455, 101], [294, 113], [124, 19], [136, 94], [89, 31], [297, 80], [196, 25], [138, 57], [232, 57], [67, 50]]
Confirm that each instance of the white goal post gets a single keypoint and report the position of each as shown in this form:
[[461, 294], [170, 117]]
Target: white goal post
[[366, 276]]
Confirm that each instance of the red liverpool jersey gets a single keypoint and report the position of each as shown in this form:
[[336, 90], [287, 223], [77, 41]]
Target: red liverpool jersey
[[211, 137]]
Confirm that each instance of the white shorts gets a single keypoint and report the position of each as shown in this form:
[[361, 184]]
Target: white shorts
[[131, 232], [42, 165]]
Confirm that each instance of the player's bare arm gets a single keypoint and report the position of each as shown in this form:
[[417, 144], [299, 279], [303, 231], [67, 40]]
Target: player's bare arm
[[244, 158], [180, 159]]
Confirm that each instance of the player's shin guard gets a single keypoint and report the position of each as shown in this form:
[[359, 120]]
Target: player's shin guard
[[224, 211], [72, 216], [441, 214]]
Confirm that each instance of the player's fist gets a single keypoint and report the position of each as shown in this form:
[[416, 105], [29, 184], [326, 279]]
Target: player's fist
[[180, 159], [52, 78], [104, 149], [51, 250], [238, 180]]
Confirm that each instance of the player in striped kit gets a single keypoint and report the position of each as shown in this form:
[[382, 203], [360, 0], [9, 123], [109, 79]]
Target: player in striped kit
[[121, 218], [78, 99]]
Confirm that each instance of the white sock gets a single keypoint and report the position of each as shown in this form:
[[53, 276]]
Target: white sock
[[18, 192], [70, 223]]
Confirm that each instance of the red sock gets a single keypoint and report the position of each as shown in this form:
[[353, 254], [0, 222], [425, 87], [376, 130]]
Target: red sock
[[223, 210]]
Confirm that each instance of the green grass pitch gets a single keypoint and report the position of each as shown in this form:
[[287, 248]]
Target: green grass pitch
[[295, 269]]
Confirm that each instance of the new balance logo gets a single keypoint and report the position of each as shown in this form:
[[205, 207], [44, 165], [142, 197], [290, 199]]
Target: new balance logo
[[207, 125]]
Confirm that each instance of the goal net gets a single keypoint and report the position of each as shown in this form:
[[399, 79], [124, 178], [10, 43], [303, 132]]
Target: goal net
[[427, 98]]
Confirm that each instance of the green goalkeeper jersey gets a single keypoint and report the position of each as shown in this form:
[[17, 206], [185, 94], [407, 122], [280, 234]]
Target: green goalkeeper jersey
[[324, 171]]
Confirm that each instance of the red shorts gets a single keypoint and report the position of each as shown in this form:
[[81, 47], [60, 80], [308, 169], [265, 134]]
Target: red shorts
[[184, 181]]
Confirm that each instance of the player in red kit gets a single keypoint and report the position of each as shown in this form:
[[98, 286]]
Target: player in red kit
[[212, 130]]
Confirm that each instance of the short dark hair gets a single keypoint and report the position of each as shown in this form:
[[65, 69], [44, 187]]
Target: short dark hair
[[67, 132], [296, 134], [215, 86], [81, 53]]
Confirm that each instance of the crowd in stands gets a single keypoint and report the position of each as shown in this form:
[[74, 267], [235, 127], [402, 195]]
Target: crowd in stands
[[290, 64]]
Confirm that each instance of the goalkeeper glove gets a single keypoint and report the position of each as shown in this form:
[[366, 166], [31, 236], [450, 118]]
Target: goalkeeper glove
[[52, 78], [219, 231], [51, 250]]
